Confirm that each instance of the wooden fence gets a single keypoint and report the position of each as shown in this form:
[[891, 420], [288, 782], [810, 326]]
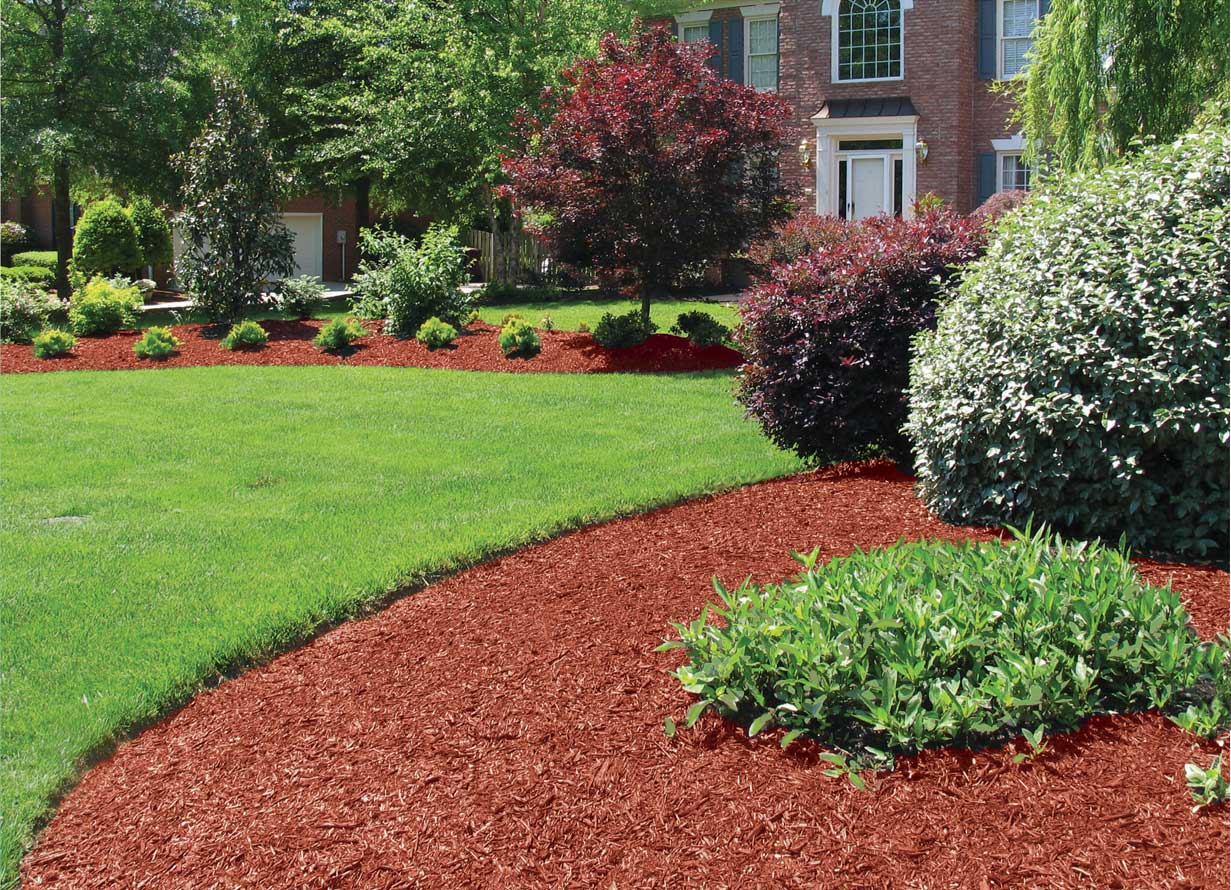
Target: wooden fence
[[533, 260]]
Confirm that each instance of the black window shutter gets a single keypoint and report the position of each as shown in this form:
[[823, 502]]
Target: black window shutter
[[716, 39], [987, 39], [987, 176], [1044, 7], [735, 49], [675, 29]]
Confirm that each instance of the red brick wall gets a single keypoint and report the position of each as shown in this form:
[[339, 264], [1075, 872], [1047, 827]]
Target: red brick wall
[[337, 214]]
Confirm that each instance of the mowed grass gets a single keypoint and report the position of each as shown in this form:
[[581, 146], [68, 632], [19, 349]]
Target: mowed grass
[[567, 315], [161, 528]]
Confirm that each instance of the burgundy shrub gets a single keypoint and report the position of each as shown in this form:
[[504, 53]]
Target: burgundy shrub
[[827, 337], [801, 234], [647, 162], [997, 206]]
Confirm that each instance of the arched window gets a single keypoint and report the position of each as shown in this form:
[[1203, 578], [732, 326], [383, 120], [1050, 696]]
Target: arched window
[[869, 39]]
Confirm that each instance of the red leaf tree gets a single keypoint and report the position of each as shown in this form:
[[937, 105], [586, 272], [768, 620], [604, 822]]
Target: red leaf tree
[[647, 162]]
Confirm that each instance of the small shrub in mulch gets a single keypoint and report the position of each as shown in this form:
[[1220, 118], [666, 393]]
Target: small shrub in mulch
[[701, 329], [52, 342], [519, 340], [622, 331], [339, 335], [436, 334], [156, 343], [245, 335], [920, 645]]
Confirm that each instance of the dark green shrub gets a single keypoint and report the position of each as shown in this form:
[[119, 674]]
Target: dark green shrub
[[156, 343], [44, 258], [153, 232], [105, 241], [245, 335], [39, 275], [502, 293], [102, 308], [436, 334], [407, 283], [622, 331], [53, 342], [339, 335], [1079, 374], [926, 644], [24, 309], [519, 340], [701, 329], [300, 296]]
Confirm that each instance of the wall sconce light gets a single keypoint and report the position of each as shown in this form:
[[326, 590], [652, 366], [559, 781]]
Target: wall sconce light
[[921, 149], [805, 152]]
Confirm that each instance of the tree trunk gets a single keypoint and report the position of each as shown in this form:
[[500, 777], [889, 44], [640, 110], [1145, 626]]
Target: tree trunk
[[363, 202], [63, 236], [646, 296]]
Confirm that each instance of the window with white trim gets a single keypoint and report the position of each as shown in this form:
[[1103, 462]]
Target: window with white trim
[[1014, 173], [694, 33], [761, 52], [870, 40], [1016, 20]]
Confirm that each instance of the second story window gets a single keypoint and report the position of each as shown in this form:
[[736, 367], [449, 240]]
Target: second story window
[[1017, 20], [762, 49], [870, 40]]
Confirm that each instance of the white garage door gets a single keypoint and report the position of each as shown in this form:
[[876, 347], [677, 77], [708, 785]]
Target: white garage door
[[308, 229]]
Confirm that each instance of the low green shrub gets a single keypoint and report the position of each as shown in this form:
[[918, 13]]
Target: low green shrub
[[1078, 373], [53, 342], [510, 317], [300, 296], [501, 293], [932, 643], [701, 329], [245, 335], [622, 331], [339, 335], [44, 258], [105, 241], [472, 317], [406, 283], [156, 342], [436, 334], [24, 309], [39, 275], [101, 308], [518, 339]]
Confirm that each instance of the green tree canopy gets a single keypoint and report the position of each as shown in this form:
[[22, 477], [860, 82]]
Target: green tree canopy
[[1108, 72]]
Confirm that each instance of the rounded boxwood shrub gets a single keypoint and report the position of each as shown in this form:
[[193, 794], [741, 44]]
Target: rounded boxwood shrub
[[622, 331], [518, 339], [39, 275], [245, 335], [102, 308], [1079, 373], [44, 258], [53, 342], [153, 232], [701, 329], [827, 338], [156, 342], [24, 309], [436, 334], [105, 241], [339, 335], [932, 643]]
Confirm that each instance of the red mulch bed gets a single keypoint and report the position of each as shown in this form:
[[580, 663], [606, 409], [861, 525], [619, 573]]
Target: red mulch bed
[[290, 343], [503, 728]]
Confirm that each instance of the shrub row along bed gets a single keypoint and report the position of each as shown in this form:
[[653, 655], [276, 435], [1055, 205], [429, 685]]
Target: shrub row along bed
[[476, 348]]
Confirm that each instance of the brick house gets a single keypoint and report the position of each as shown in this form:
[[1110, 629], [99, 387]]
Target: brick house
[[892, 99]]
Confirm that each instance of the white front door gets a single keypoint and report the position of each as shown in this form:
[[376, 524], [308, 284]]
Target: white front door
[[867, 196], [308, 229]]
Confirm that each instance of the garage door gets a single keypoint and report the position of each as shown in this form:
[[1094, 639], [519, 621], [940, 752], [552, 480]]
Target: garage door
[[308, 229]]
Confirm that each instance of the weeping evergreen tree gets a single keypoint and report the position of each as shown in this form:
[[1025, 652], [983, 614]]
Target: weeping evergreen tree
[[1108, 72]]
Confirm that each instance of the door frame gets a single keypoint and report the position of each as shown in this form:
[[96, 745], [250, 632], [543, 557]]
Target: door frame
[[320, 247], [886, 156], [828, 133]]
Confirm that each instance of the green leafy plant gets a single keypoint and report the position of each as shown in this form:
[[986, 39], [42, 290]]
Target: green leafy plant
[[44, 258], [510, 317], [436, 334], [53, 342], [701, 329], [153, 232], [1208, 786], [300, 296], [339, 335], [583, 327], [1038, 745], [472, 317], [1079, 371], [407, 283], [519, 340], [39, 275], [14, 237], [925, 644], [105, 241], [622, 331], [245, 335], [101, 308], [547, 324], [156, 343], [24, 309]]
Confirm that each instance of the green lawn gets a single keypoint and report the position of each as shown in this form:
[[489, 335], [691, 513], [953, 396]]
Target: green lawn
[[566, 315], [159, 528]]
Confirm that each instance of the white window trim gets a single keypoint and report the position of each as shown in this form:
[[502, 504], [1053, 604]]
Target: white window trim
[[699, 17], [1000, 39], [830, 8], [1001, 156], [761, 16], [830, 130]]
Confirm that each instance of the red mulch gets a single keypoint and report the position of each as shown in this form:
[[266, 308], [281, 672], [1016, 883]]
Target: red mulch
[[290, 343], [503, 728]]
